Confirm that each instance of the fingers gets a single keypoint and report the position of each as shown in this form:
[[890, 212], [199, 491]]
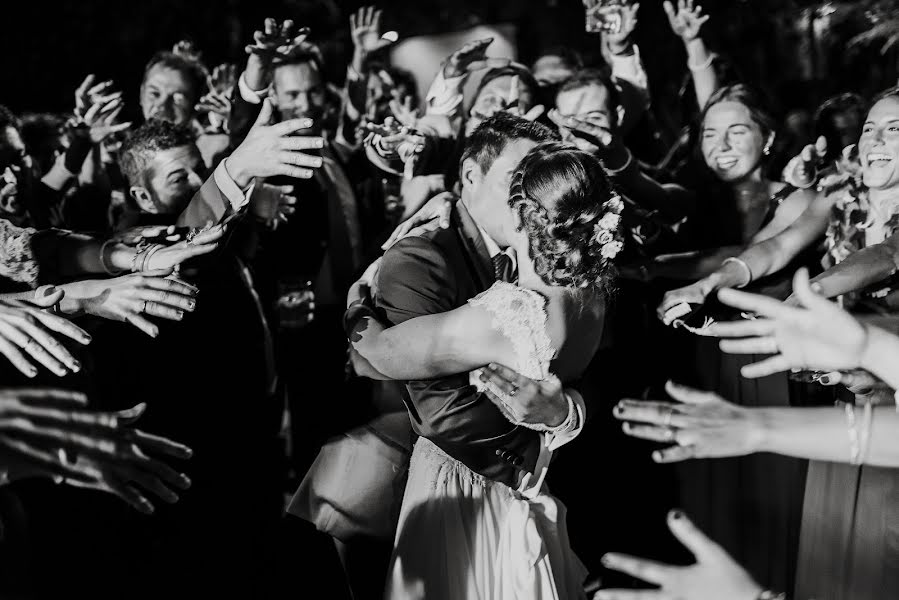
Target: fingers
[[488, 63], [756, 345], [688, 395], [51, 397], [133, 497], [15, 356], [62, 325], [691, 537], [143, 324], [669, 10], [742, 328], [162, 311], [504, 378], [299, 159], [802, 288], [82, 89], [820, 146], [534, 113], [290, 126], [297, 143], [769, 366], [265, 114], [44, 460], [443, 215], [168, 284], [159, 445], [130, 415], [652, 433], [644, 411], [754, 303], [631, 595], [674, 454], [645, 570], [40, 345]]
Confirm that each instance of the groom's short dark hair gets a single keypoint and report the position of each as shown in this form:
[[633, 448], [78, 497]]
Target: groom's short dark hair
[[492, 136]]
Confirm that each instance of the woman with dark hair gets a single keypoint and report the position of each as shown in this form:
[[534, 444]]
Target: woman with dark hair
[[512, 543], [751, 505]]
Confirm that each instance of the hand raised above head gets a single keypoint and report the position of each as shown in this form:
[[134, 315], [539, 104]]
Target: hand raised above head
[[687, 20], [365, 30], [472, 57], [272, 149]]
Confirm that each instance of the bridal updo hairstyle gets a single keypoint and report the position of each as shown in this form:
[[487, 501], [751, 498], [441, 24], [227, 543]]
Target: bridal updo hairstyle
[[570, 213]]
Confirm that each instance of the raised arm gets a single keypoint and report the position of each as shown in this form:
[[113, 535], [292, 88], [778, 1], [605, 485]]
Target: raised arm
[[686, 22]]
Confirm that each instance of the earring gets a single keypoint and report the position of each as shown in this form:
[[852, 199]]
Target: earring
[[767, 150]]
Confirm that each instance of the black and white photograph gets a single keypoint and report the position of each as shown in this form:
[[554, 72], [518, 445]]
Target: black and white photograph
[[449, 299]]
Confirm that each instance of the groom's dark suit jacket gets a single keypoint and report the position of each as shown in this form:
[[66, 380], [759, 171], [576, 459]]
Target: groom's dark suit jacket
[[435, 273]]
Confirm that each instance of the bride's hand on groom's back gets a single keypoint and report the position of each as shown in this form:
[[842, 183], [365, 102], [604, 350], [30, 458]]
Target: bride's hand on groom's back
[[528, 402]]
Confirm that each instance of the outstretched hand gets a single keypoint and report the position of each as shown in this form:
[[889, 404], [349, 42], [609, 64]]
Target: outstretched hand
[[817, 335], [714, 576], [802, 170], [365, 30], [272, 149]]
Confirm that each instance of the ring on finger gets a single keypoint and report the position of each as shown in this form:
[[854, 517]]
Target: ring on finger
[[668, 416], [31, 346], [670, 434], [143, 307]]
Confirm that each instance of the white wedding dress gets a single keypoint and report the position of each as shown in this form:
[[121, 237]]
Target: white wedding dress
[[463, 536]]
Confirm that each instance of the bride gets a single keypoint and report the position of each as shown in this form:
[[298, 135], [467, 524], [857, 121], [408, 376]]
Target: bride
[[460, 534]]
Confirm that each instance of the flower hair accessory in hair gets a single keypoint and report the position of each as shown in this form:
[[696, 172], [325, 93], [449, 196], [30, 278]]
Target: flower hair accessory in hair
[[605, 228]]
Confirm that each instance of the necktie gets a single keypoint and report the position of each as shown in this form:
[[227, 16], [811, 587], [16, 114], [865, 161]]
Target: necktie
[[503, 268]]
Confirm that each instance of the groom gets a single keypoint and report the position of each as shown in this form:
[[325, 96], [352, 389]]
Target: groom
[[441, 270]]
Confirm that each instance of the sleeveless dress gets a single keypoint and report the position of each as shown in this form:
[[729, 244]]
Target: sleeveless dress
[[751, 505], [464, 536], [849, 544]]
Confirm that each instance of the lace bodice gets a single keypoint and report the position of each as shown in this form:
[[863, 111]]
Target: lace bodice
[[17, 261], [520, 315]]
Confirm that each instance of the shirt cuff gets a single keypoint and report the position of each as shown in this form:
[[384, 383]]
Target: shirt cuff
[[249, 95], [629, 67], [237, 197], [573, 425], [445, 95]]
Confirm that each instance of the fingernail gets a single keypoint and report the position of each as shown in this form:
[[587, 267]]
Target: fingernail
[[31, 372], [318, 162], [617, 410], [825, 379], [816, 287], [180, 314], [676, 514], [191, 305], [657, 456], [306, 123], [173, 497], [86, 338], [185, 481], [606, 559], [76, 366], [498, 452], [50, 291]]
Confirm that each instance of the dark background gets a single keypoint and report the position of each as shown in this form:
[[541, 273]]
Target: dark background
[[49, 45]]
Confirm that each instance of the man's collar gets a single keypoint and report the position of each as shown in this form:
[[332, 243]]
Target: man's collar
[[493, 248]]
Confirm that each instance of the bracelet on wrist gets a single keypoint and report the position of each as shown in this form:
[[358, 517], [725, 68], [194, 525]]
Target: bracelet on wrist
[[703, 65], [105, 264], [770, 595], [744, 266], [619, 170]]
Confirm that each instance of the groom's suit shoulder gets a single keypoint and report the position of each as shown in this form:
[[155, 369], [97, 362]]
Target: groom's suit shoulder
[[417, 276]]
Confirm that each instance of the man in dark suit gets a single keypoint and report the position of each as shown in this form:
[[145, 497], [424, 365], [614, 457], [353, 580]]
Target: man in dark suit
[[442, 270]]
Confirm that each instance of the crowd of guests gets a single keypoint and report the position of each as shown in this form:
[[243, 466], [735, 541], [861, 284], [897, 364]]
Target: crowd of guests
[[229, 330]]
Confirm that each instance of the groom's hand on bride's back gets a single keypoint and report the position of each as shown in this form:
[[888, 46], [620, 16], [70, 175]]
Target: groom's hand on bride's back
[[529, 401]]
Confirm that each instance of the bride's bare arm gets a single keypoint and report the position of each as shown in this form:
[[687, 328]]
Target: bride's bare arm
[[433, 346]]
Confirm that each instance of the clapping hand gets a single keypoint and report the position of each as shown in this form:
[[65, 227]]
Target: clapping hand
[[470, 58], [28, 335], [802, 170], [816, 335], [45, 432], [714, 576], [274, 149], [687, 20]]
